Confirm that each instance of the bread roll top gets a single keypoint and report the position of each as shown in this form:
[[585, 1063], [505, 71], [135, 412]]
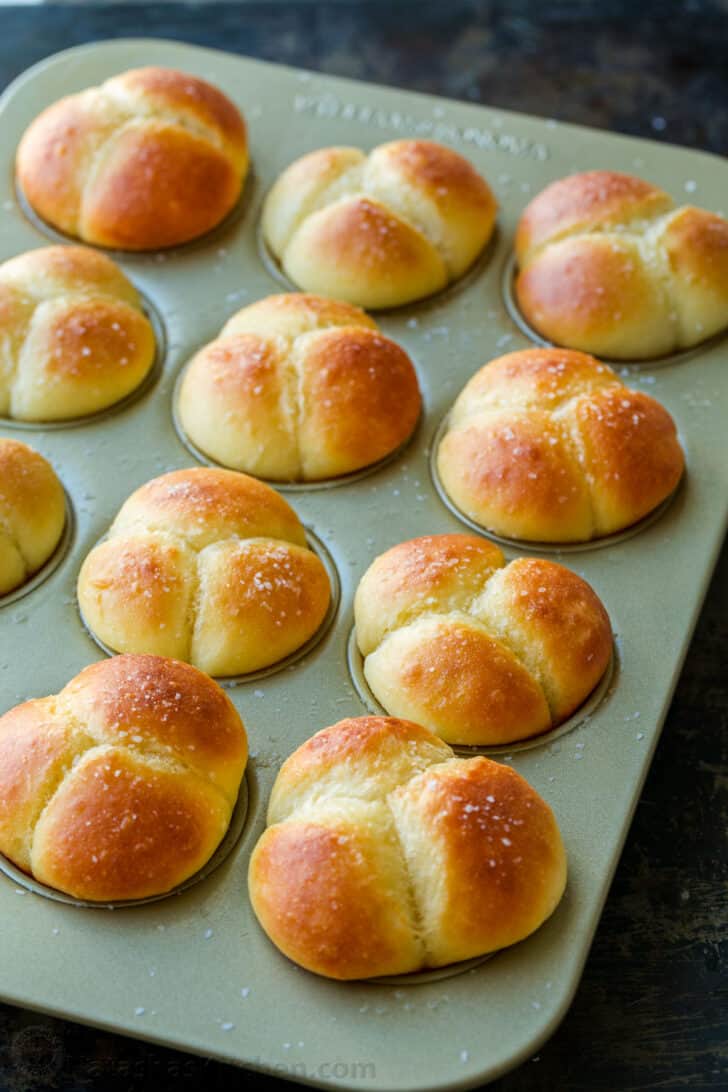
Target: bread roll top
[[609, 265], [151, 158], [547, 445], [76, 338], [581, 203], [378, 230], [208, 566], [480, 652], [387, 854], [200, 506], [299, 388], [122, 785]]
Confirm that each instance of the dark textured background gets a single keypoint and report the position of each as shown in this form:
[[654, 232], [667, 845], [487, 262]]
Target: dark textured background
[[652, 1008]]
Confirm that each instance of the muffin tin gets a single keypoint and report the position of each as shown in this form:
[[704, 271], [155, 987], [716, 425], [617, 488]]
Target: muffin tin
[[194, 970]]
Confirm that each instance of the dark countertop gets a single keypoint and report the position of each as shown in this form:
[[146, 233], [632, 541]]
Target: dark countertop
[[652, 1009]]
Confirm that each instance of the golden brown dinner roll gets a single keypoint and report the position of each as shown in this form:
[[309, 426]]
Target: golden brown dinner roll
[[73, 334], [609, 265], [547, 445], [382, 229], [151, 158], [207, 566], [299, 388], [121, 786], [478, 651], [386, 854], [32, 513]]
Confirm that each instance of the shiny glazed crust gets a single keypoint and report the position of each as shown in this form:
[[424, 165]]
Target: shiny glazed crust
[[121, 786], [385, 854], [151, 158], [74, 338], [547, 445], [480, 652], [608, 265], [32, 513], [299, 388], [382, 229], [207, 566]]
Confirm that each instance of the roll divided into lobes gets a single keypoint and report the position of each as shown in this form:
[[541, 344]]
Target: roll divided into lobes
[[607, 264], [151, 158], [547, 445], [378, 230], [480, 652], [122, 786], [75, 337], [208, 566], [299, 388], [385, 854], [32, 513]]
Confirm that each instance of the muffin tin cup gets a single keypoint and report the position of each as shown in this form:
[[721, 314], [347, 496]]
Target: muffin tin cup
[[679, 356], [578, 719], [435, 974], [238, 821], [148, 382], [317, 547], [221, 988], [527, 545]]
